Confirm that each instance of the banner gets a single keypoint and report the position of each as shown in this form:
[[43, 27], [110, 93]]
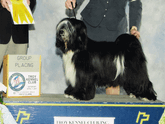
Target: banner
[[21, 12]]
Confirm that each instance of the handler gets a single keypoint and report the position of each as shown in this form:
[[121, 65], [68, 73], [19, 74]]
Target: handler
[[107, 19]]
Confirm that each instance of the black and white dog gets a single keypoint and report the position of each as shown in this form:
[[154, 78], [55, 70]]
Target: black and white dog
[[88, 63]]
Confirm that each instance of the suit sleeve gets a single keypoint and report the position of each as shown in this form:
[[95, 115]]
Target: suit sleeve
[[135, 13], [32, 4], [79, 2], [0, 5]]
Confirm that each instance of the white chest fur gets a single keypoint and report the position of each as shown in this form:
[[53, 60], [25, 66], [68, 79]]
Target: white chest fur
[[69, 67]]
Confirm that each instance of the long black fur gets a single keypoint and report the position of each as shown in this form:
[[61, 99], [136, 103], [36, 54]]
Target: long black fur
[[96, 63]]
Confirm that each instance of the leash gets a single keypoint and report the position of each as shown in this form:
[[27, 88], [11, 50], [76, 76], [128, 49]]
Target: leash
[[73, 11]]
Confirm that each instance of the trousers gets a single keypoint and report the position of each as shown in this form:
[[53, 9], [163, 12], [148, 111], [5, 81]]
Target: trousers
[[12, 48]]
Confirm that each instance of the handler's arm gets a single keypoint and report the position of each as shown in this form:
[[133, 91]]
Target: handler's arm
[[135, 13]]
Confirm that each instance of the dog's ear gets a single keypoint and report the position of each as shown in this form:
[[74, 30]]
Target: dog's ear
[[82, 37]]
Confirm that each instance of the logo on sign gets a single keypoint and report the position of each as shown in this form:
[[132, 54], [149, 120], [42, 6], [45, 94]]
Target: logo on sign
[[16, 81], [143, 114]]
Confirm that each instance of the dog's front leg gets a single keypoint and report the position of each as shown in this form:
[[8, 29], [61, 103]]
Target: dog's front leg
[[68, 91], [81, 92]]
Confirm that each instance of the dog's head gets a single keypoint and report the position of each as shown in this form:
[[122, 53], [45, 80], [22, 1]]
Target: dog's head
[[71, 35]]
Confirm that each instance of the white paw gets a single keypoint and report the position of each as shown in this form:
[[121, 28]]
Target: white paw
[[66, 95], [145, 99], [132, 96], [73, 98]]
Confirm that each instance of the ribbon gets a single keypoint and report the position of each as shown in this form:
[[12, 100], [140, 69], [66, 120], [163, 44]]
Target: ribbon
[[21, 12]]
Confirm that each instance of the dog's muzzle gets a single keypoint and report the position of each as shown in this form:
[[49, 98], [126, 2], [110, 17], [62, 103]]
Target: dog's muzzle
[[65, 36]]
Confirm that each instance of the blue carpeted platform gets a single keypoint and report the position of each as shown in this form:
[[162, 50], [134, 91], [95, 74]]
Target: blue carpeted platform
[[103, 109]]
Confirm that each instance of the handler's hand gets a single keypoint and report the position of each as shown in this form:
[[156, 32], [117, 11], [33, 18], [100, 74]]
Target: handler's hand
[[5, 4], [134, 32], [68, 4], [28, 2]]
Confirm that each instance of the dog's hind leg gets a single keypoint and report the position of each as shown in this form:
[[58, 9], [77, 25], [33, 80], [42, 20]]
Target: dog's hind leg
[[140, 89], [135, 75], [147, 92]]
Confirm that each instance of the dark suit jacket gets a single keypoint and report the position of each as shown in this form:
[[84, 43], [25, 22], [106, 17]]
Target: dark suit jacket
[[19, 33], [113, 13]]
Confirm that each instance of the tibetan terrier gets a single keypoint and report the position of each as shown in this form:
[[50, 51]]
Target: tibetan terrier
[[88, 64]]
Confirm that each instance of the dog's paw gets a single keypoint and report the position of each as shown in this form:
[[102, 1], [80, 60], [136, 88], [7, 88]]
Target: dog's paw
[[66, 95], [71, 97], [145, 99], [132, 96]]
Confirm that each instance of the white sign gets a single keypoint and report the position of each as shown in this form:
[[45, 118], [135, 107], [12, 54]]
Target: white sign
[[84, 120]]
